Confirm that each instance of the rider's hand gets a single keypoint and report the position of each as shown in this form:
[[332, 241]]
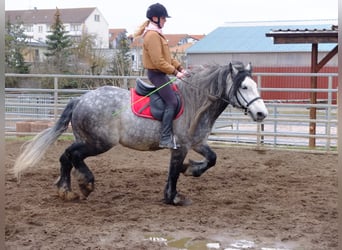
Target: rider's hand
[[186, 73], [180, 75]]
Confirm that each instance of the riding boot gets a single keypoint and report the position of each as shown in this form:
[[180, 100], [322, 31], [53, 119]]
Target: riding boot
[[166, 137]]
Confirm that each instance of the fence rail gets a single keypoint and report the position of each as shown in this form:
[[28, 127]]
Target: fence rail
[[287, 125]]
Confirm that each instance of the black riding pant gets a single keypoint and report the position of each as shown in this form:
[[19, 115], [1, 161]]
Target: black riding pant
[[158, 79]]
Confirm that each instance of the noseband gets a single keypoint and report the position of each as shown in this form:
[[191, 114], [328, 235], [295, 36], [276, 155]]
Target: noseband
[[248, 103]]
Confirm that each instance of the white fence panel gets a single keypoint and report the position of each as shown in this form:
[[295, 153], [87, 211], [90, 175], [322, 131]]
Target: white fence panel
[[287, 125]]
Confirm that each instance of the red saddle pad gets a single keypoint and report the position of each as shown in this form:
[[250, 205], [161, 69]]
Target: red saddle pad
[[141, 105]]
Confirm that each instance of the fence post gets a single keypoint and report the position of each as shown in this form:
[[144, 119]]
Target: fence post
[[260, 127], [275, 126], [313, 96], [55, 98], [328, 124]]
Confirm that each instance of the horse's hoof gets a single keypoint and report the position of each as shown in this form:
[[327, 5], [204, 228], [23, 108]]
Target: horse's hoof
[[86, 189], [188, 171], [181, 200], [192, 171], [67, 195]]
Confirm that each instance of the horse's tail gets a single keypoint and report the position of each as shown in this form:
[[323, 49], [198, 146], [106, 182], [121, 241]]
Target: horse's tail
[[34, 149]]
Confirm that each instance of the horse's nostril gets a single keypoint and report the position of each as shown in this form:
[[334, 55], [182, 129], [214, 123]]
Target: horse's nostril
[[261, 115]]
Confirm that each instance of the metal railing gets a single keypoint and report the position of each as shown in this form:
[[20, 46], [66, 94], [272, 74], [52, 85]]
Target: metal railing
[[287, 125]]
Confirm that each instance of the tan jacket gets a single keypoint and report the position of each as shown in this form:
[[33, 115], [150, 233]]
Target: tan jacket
[[156, 54]]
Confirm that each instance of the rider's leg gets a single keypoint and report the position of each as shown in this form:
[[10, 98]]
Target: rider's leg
[[170, 99], [166, 133]]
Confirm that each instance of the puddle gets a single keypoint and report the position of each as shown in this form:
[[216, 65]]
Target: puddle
[[243, 244], [188, 243]]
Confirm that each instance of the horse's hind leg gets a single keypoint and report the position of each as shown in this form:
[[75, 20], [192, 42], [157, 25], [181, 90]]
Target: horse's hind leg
[[64, 181], [74, 156]]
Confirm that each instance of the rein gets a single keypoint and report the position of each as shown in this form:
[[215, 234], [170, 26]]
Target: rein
[[212, 97]]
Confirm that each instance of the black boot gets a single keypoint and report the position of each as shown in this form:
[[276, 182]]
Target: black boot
[[166, 137]]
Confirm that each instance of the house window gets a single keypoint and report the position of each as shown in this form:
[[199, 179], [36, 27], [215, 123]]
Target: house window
[[97, 18], [48, 28], [28, 28], [75, 27], [40, 29]]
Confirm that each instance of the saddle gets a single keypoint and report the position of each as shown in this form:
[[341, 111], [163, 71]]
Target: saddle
[[147, 105]]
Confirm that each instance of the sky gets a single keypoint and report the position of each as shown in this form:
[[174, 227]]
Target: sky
[[193, 16]]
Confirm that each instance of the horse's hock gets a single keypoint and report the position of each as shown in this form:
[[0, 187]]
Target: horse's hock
[[31, 126]]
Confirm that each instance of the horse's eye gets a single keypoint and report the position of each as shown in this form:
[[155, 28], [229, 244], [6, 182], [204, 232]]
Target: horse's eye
[[244, 87]]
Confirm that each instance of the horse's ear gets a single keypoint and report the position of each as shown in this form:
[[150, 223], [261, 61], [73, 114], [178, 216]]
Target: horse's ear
[[233, 69], [248, 67]]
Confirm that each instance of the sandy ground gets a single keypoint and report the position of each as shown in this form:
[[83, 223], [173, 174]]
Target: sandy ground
[[250, 200]]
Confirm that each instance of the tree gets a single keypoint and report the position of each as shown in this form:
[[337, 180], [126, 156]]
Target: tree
[[121, 62], [59, 46], [87, 59], [15, 44]]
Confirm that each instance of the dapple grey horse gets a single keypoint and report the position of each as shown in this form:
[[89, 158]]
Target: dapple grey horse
[[102, 118]]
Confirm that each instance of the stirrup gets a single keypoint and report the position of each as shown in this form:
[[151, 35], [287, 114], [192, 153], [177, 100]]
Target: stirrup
[[171, 144]]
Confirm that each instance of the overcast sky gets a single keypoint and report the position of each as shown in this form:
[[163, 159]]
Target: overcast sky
[[193, 16]]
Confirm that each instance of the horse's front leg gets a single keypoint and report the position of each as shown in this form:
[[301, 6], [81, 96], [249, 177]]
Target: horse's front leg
[[171, 195], [197, 168]]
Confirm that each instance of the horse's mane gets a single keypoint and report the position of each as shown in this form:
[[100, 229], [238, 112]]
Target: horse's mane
[[204, 81], [206, 84], [200, 89], [212, 80]]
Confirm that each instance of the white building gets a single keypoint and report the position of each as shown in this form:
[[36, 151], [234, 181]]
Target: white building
[[37, 23]]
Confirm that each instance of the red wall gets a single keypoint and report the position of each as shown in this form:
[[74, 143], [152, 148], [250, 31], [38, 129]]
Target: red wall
[[293, 82]]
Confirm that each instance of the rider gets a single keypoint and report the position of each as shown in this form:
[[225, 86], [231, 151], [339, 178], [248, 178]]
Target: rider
[[159, 64]]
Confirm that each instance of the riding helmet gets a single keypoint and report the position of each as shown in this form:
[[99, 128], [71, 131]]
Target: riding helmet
[[157, 10]]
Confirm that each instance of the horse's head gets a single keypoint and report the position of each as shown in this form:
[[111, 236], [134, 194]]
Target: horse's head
[[244, 92]]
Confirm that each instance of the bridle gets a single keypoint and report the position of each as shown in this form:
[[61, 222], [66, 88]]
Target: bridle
[[237, 92], [237, 81], [248, 103]]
